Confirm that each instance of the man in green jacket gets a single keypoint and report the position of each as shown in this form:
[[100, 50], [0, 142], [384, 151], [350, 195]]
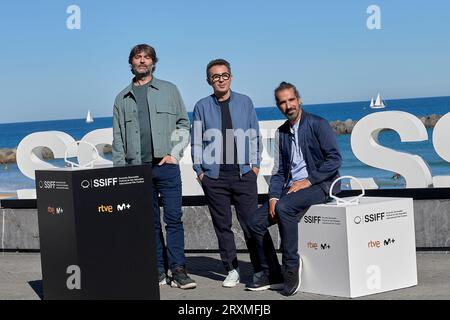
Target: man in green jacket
[[151, 126]]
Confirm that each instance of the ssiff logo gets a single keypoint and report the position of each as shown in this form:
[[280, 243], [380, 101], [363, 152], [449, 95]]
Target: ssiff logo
[[99, 183], [312, 219], [371, 217], [85, 184], [47, 184]]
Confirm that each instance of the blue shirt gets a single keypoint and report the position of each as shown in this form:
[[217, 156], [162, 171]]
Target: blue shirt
[[298, 164], [207, 115]]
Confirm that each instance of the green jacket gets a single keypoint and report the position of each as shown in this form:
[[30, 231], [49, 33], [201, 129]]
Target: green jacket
[[168, 118]]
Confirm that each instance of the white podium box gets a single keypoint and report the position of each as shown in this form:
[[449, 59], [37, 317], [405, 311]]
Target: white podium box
[[356, 250]]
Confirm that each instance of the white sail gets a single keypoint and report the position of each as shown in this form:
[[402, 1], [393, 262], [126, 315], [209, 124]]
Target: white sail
[[378, 103], [372, 103], [89, 118]]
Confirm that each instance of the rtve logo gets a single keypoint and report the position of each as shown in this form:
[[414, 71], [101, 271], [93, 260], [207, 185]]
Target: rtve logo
[[315, 245], [377, 243], [105, 209], [311, 219], [110, 208]]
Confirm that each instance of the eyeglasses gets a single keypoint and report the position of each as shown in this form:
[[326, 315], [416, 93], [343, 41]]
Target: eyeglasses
[[216, 77]]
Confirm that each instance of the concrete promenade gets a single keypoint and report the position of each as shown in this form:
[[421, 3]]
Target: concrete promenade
[[20, 278]]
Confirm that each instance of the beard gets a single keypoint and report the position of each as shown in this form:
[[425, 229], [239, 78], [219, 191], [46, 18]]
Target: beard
[[292, 116], [141, 73]]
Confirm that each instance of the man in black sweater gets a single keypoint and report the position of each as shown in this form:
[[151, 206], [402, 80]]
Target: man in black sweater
[[229, 175]]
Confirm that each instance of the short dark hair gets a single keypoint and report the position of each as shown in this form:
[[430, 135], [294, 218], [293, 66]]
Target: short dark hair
[[217, 62], [147, 49], [283, 86]]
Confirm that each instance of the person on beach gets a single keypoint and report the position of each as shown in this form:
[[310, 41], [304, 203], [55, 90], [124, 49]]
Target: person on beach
[[307, 161], [228, 175], [147, 114]]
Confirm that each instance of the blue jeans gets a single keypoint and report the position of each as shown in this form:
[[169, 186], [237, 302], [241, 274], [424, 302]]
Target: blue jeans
[[289, 210], [166, 182]]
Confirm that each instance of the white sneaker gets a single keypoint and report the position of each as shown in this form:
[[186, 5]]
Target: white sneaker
[[232, 279]]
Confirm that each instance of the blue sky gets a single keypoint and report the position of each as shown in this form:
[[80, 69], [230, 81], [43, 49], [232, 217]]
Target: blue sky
[[324, 47]]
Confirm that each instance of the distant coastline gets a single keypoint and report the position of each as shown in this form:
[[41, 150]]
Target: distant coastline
[[346, 127], [8, 155]]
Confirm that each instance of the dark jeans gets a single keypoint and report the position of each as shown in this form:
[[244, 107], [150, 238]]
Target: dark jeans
[[289, 210], [219, 193], [167, 183]]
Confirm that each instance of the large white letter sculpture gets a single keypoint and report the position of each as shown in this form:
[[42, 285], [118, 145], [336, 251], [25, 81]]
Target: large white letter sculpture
[[441, 139], [29, 152], [364, 143], [99, 138], [366, 148]]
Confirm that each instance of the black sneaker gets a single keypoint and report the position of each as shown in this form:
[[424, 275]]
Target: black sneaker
[[162, 278], [181, 280], [264, 282], [292, 280]]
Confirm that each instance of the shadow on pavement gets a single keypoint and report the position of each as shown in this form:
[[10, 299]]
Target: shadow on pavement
[[213, 269]]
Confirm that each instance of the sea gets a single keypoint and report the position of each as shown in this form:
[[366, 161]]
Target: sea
[[11, 179]]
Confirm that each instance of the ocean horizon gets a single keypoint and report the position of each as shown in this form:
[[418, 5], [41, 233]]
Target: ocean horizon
[[364, 103], [11, 134]]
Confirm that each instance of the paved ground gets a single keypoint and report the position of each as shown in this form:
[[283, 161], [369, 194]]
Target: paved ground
[[20, 278]]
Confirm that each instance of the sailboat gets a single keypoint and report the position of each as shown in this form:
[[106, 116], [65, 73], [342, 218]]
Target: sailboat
[[378, 104], [89, 118]]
